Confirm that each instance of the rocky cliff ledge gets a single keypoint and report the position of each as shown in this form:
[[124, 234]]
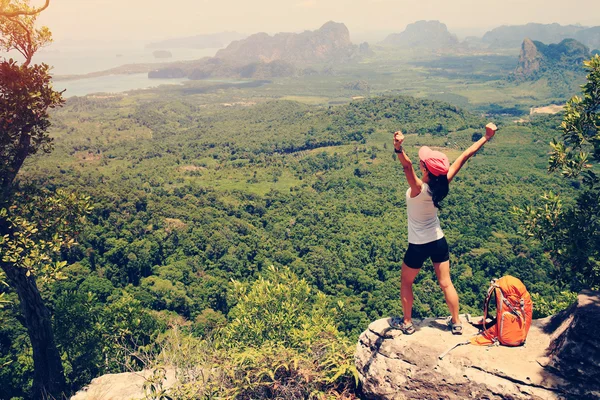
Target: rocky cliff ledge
[[561, 360]]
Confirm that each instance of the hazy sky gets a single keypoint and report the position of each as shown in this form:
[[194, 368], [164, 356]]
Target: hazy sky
[[135, 20]]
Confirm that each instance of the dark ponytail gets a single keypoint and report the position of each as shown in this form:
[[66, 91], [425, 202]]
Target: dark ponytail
[[438, 188]]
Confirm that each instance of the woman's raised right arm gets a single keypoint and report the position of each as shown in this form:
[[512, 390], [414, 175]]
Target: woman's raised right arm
[[490, 131], [413, 181]]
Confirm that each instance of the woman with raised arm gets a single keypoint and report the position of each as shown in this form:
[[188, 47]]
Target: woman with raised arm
[[425, 236]]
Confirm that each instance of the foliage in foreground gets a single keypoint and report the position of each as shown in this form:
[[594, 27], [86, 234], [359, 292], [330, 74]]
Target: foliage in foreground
[[282, 343], [32, 232], [545, 307], [572, 234]]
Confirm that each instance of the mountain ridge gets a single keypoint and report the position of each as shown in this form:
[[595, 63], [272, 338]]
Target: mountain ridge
[[261, 56], [425, 34], [330, 43], [509, 36]]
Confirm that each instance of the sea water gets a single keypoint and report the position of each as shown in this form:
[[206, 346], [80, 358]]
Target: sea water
[[81, 59], [111, 84]]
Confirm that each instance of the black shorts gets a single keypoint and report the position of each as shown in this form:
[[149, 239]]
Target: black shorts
[[417, 253]]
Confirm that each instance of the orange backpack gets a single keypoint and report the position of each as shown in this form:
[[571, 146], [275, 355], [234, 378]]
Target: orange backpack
[[514, 310]]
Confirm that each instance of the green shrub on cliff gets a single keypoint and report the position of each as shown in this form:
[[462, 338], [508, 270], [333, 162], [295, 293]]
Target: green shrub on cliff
[[282, 342]]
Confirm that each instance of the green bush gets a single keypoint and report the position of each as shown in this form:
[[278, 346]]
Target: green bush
[[281, 342], [544, 307]]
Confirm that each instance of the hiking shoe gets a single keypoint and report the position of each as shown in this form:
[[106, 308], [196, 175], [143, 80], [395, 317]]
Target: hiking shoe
[[457, 329], [398, 323]]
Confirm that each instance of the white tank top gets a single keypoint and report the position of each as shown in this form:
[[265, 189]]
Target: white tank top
[[423, 222]]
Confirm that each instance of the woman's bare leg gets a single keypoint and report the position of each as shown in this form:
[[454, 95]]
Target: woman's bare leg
[[406, 292], [442, 270]]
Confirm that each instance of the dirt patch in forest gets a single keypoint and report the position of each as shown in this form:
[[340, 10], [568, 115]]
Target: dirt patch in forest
[[87, 156], [188, 168], [551, 109], [172, 224]]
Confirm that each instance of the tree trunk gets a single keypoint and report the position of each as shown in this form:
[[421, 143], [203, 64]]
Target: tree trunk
[[49, 377]]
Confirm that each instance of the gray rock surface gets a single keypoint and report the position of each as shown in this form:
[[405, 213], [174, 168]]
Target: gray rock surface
[[560, 360], [574, 352], [125, 386], [530, 59], [536, 58]]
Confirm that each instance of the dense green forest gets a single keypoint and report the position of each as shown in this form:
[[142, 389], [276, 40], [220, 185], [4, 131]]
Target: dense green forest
[[192, 200]]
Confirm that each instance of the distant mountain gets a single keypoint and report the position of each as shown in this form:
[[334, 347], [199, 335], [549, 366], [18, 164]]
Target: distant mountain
[[537, 59], [261, 56], [209, 41], [424, 34], [330, 43], [590, 37], [512, 36]]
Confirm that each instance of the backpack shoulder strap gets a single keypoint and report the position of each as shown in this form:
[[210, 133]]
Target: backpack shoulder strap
[[490, 291]]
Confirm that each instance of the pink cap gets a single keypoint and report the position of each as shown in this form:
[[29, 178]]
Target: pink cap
[[437, 162]]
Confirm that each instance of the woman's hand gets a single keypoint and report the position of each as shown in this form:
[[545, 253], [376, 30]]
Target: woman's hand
[[398, 140], [490, 130]]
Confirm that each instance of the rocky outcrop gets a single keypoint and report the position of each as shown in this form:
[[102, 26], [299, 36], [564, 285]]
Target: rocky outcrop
[[125, 386], [560, 360], [530, 59], [330, 43], [536, 58], [423, 34], [574, 352]]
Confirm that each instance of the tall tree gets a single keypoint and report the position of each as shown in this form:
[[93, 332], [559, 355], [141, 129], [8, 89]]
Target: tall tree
[[34, 225]]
